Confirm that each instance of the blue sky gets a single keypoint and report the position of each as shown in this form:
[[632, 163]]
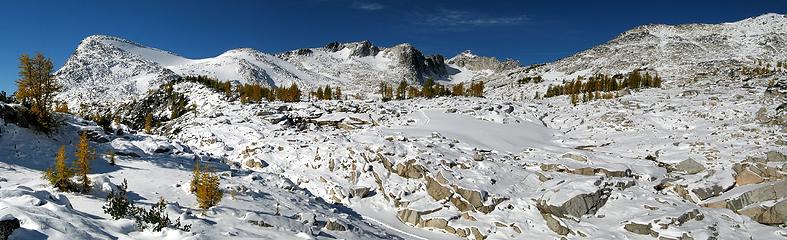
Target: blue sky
[[528, 31]]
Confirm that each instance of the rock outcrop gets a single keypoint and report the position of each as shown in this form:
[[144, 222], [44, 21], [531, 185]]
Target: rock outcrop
[[8, 224], [752, 203]]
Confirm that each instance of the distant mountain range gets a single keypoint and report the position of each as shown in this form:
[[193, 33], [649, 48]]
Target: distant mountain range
[[105, 69]]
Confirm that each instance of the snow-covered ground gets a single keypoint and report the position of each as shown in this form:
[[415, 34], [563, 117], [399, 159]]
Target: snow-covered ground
[[699, 159], [422, 169]]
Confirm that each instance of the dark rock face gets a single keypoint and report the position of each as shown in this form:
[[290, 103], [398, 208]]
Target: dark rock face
[[14, 114], [303, 51], [365, 49], [422, 66], [333, 46], [359, 49], [8, 226], [434, 65]]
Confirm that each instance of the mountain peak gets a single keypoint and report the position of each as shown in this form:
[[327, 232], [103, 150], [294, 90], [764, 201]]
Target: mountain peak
[[768, 19], [358, 49], [241, 51], [107, 40], [465, 54]]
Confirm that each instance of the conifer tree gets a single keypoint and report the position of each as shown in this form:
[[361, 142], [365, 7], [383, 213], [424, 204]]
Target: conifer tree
[[319, 94], [338, 93], [458, 90], [386, 91], [293, 93], [84, 154], [426, 90], [477, 89], [207, 189], [60, 176], [327, 93], [36, 88], [149, 123], [413, 92], [401, 89], [118, 205]]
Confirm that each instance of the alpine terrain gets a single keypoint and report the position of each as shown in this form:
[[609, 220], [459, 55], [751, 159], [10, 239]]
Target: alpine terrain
[[666, 132]]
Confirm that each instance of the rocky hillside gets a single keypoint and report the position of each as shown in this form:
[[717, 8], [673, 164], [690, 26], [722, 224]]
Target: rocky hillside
[[680, 53], [106, 69], [700, 157]]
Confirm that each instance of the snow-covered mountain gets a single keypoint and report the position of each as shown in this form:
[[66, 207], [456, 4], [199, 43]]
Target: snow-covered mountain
[[675, 52], [105, 69], [362, 62], [702, 157]]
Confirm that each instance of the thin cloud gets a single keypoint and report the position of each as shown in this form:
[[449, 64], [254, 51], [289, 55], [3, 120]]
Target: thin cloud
[[454, 19], [367, 6]]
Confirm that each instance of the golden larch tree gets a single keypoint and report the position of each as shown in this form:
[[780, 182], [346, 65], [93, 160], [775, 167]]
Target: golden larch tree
[[36, 87], [148, 123], [60, 176], [207, 187], [84, 154]]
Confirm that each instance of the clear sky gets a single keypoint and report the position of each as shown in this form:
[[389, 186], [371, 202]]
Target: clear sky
[[528, 31]]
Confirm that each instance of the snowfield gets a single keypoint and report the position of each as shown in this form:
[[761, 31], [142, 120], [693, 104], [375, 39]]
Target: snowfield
[[699, 159]]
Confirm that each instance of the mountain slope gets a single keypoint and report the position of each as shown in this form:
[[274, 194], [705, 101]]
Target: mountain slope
[[676, 52], [106, 69], [362, 62]]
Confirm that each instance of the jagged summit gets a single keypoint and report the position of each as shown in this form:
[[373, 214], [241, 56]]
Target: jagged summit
[[464, 54], [467, 59], [356, 49]]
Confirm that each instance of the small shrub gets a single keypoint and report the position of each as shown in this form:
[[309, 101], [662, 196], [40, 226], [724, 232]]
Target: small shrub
[[157, 218], [118, 206]]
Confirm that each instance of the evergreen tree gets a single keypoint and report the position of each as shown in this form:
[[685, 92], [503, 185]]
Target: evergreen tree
[[149, 123], [36, 87], [412, 92], [207, 190], [60, 176], [118, 206], [319, 94], [338, 93], [426, 90], [386, 91], [84, 154], [327, 93], [477, 89], [458, 90], [401, 89], [294, 93]]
